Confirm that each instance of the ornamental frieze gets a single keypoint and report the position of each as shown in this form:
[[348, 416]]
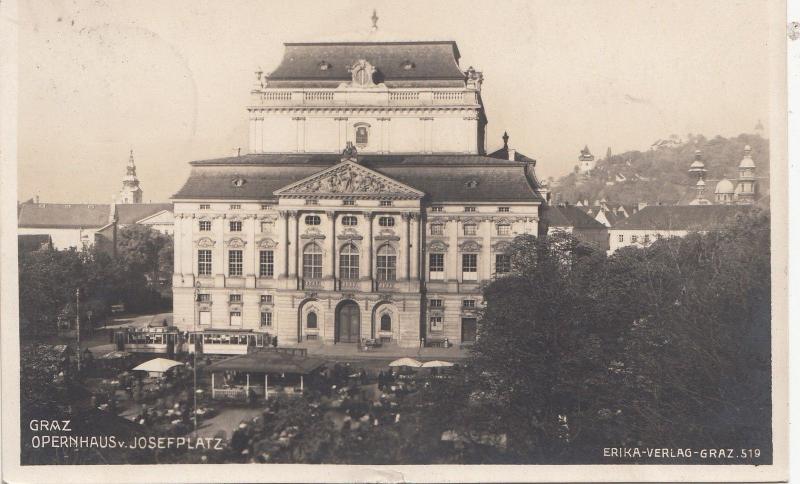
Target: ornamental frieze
[[351, 179], [501, 246], [437, 246]]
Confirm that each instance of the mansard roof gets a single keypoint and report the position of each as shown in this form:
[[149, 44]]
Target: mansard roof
[[130, 213], [436, 60], [569, 216], [441, 178]]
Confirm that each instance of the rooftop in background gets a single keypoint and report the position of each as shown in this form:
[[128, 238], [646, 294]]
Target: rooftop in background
[[62, 215], [130, 213], [569, 216], [681, 217]]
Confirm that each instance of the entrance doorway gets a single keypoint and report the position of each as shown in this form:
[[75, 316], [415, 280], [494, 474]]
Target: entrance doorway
[[469, 328], [348, 323]]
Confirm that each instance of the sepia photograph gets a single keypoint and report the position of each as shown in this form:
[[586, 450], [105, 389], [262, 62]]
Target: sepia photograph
[[395, 241]]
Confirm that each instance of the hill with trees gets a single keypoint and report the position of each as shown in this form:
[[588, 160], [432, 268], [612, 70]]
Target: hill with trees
[[660, 175]]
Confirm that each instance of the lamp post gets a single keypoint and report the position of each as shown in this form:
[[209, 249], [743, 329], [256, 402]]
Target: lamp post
[[194, 364]]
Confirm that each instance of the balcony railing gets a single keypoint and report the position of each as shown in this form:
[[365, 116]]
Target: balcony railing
[[312, 283], [285, 97], [348, 284], [385, 285]]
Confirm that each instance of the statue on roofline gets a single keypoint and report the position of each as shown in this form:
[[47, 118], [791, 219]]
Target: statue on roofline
[[350, 153]]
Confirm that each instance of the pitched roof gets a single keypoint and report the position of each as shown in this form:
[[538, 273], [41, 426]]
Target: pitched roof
[[502, 154], [681, 217], [130, 213], [569, 216], [60, 215], [426, 60], [443, 178]]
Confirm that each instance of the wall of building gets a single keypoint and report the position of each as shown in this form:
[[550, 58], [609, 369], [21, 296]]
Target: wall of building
[[639, 237], [64, 238]]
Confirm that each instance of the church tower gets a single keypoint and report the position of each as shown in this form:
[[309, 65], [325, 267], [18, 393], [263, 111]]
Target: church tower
[[746, 188], [698, 170], [131, 191]]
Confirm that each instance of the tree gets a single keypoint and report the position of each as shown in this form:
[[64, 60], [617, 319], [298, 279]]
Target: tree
[[144, 250]]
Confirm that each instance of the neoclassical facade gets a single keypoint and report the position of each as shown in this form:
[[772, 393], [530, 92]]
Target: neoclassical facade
[[366, 209]]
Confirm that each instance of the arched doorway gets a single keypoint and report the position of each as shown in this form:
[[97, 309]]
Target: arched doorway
[[348, 323]]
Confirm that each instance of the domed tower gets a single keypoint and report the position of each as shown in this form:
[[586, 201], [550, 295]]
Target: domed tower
[[698, 170], [746, 188], [131, 191], [724, 191]]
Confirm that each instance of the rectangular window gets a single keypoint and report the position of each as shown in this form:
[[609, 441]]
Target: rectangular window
[[503, 209], [634, 238], [348, 203], [470, 229], [312, 264], [468, 303], [387, 267], [469, 267], [234, 263], [205, 225], [312, 201], [386, 221], [436, 303], [204, 297], [236, 318], [265, 206], [266, 298], [236, 206], [204, 262], [503, 229], [470, 209], [205, 318], [436, 323], [205, 206], [502, 263], [437, 229], [620, 238], [266, 319], [437, 209], [267, 226], [235, 297], [647, 239], [235, 225], [436, 266], [348, 263], [266, 263], [386, 203]]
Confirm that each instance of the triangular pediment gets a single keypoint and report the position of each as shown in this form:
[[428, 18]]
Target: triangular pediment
[[349, 179]]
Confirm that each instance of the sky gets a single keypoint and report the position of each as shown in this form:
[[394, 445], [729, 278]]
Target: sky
[[171, 80]]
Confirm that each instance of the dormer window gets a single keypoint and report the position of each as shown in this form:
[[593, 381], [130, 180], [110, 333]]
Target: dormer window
[[407, 65], [472, 184], [238, 182], [324, 66]]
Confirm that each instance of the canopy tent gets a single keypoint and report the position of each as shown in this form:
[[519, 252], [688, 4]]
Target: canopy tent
[[158, 365], [406, 362], [437, 364]]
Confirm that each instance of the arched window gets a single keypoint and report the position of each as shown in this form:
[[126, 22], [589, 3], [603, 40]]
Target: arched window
[[312, 261], [311, 320], [387, 263], [348, 262], [313, 220], [362, 135], [386, 221], [386, 323], [349, 220]]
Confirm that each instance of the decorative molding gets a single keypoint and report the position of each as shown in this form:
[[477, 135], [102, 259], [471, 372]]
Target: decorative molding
[[501, 246], [236, 243], [205, 242], [267, 243], [387, 238], [385, 297], [311, 295], [437, 246], [469, 246], [362, 72]]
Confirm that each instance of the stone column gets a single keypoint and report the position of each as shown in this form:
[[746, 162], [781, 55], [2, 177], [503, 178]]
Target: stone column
[[407, 245], [293, 243], [452, 272], [486, 255], [250, 256], [368, 217], [329, 269], [177, 247], [218, 261], [417, 246], [283, 243]]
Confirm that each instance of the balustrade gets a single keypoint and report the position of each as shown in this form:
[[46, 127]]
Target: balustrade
[[280, 97]]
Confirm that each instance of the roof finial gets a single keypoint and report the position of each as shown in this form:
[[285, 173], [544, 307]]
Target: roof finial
[[505, 139], [374, 19]]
